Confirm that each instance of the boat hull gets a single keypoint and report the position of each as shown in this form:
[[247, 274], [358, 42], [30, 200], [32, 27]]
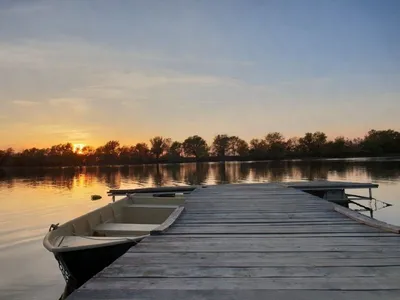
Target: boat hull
[[80, 265]]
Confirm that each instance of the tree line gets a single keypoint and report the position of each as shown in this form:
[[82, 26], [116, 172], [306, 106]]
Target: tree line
[[273, 146]]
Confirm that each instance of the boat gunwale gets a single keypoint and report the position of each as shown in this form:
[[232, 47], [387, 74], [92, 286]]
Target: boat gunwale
[[110, 242]]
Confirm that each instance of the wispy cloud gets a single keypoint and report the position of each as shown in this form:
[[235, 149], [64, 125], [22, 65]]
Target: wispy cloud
[[25, 103], [75, 52], [77, 105], [65, 133], [24, 7]]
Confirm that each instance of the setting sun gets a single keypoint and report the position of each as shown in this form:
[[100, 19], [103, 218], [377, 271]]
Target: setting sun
[[78, 148]]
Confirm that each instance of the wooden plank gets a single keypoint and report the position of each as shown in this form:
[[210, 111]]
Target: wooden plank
[[268, 241], [171, 236], [292, 283], [238, 229], [152, 190], [268, 215], [258, 210], [258, 259], [180, 247], [267, 222], [309, 185], [238, 294], [173, 271], [280, 205], [250, 222]]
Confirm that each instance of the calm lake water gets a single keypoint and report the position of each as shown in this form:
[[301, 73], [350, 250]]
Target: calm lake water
[[33, 199]]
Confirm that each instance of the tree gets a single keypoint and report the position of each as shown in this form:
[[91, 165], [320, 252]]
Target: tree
[[88, 150], [141, 152], [238, 147], [258, 148], [108, 153], [159, 146], [33, 157], [6, 156], [175, 150], [62, 155], [125, 154], [111, 148], [61, 149], [220, 145], [276, 144], [292, 145], [195, 146], [313, 143], [88, 155], [339, 147], [378, 142]]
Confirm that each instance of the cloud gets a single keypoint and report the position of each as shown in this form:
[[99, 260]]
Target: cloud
[[72, 52], [25, 103], [77, 105], [64, 132], [24, 7], [73, 72]]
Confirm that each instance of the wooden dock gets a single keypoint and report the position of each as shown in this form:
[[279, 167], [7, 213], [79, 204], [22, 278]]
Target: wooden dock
[[256, 241]]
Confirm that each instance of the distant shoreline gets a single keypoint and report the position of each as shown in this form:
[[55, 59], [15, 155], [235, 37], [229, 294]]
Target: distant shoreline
[[273, 147]]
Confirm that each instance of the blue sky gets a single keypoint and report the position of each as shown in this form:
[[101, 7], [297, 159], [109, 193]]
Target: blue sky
[[90, 71]]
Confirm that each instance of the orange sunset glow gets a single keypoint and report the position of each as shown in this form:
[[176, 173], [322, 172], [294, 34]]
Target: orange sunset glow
[[77, 148]]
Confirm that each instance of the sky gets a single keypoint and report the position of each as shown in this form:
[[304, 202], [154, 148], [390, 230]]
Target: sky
[[87, 72]]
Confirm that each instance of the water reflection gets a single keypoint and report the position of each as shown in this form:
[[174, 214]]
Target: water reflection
[[204, 173]]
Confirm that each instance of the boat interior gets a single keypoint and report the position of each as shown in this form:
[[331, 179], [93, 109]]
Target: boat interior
[[129, 219]]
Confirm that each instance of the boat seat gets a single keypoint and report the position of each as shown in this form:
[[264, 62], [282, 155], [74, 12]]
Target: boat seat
[[123, 229], [146, 213], [173, 207]]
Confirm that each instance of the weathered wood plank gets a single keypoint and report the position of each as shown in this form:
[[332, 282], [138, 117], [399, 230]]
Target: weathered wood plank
[[292, 283], [173, 271], [239, 294], [259, 209], [242, 248], [258, 259], [238, 229], [266, 215], [267, 241], [305, 214], [283, 236], [292, 222]]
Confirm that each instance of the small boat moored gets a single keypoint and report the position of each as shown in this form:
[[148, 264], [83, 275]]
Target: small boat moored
[[86, 245]]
